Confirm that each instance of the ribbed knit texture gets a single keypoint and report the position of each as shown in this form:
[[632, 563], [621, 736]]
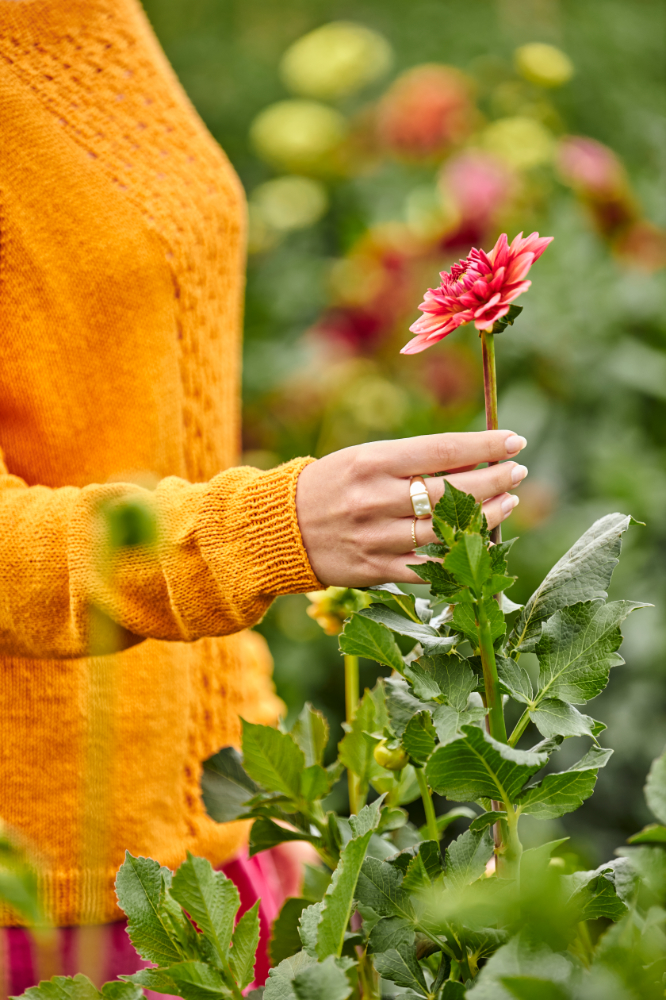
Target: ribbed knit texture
[[121, 262]]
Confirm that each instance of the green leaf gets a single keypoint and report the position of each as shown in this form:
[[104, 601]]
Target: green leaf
[[76, 987], [486, 819], [390, 932], [418, 738], [594, 895], [244, 946], [266, 834], [311, 734], [467, 857], [650, 834], [455, 507], [210, 898], [399, 965], [225, 785], [315, 783], [578, 647], [364, 637], [141, 887], [272, 758], [442, 677], [190, 980], [655, 787], [477, 766], [498, 555], [442, 583], [285, 939], [583, 574], [564, 791], [557, 718], [514, 679], [469, 562], [532, 988], [117, 990], [401, 704], [521, 957], [379, 887], [316, 880], [339, 898], [464, 620], [424, 868], [325, 981], [308, 926], [429, 638], [278, 984], [453, 991]]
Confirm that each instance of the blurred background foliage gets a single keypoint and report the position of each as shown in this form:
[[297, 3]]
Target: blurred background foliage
[[378, 140]]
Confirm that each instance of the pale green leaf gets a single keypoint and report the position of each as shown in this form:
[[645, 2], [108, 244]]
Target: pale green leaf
[[272, 758], [77, 987], [562, 792], [315, 783], [118, 990], [390, 932], [477, 766], [339, 898], [445, 677], [533, 988], [594, 895], [379, 887], [401, 704], [446, 721], [429, 638], [525, 958], [655, 787], [266, 834], [467, 857], [141, 887], [308, 926], [355, 750], [418, 738], [582, 574], [464, 620], [486, 819], [558, 718], [364, 637], [399, 965], [244, 946], [311, 734], [469, 562], [210, 898], [514, 679], [190, 980], [650, 834], [324, 981], [578, 647], [279, 982]]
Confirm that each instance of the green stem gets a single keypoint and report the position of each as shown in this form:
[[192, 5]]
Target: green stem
[[431, 819], [490, 396], [519, 728], [496, 724], [351, 706]]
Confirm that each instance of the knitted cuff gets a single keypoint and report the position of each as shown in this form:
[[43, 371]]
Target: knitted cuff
[[265, 532]]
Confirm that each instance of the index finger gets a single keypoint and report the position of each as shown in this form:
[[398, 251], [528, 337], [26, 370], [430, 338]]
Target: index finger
[[447, 452]]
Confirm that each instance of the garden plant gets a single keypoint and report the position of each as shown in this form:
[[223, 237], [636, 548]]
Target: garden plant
[[389, 912]]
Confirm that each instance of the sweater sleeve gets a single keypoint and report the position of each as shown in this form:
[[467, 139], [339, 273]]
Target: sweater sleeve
[[222, 551]]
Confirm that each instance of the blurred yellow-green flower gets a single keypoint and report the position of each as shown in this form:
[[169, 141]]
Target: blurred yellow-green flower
[[330, 608], [299, 136], [335, 60], [544, 65]]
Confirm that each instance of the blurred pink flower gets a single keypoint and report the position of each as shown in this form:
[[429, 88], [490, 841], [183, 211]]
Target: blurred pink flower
[[478, 185], [590, 167], [480, 289], [426, 111]]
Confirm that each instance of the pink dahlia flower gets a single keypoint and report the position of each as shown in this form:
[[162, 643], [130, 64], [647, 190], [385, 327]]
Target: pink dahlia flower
[[479, 290]]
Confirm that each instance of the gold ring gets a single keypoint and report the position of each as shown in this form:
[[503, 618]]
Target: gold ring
[[416, 544], [419, 496]]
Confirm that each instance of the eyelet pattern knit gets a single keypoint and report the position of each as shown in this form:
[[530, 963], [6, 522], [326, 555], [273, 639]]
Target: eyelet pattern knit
[[121, 263]]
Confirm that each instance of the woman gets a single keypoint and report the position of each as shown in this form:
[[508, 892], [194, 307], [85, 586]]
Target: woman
[[121, 268]]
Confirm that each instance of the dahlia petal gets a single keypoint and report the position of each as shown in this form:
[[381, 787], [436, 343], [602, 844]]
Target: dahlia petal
[[519, 267], [488, 322], [499, 253]]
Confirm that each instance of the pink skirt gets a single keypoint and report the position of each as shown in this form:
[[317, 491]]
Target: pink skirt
[[104, 952]]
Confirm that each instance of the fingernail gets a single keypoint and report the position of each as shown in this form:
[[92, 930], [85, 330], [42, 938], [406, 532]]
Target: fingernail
[[514, 443], [508, 505], [518, 473]]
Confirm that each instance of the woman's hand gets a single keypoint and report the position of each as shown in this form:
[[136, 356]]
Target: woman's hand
[[355, 512]]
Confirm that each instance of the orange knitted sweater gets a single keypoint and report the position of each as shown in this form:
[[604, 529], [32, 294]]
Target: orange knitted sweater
[[121, 262]]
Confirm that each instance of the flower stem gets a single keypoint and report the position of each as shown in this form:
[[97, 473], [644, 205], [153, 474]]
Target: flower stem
[[496, 725], [519, 728], [490, 395], [431, 819], [351, 705]]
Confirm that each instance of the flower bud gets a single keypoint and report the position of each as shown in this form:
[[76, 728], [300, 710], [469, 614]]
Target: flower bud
[[335, 60], [543, 64], [299, 136], [392, 758], [521, 142]]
